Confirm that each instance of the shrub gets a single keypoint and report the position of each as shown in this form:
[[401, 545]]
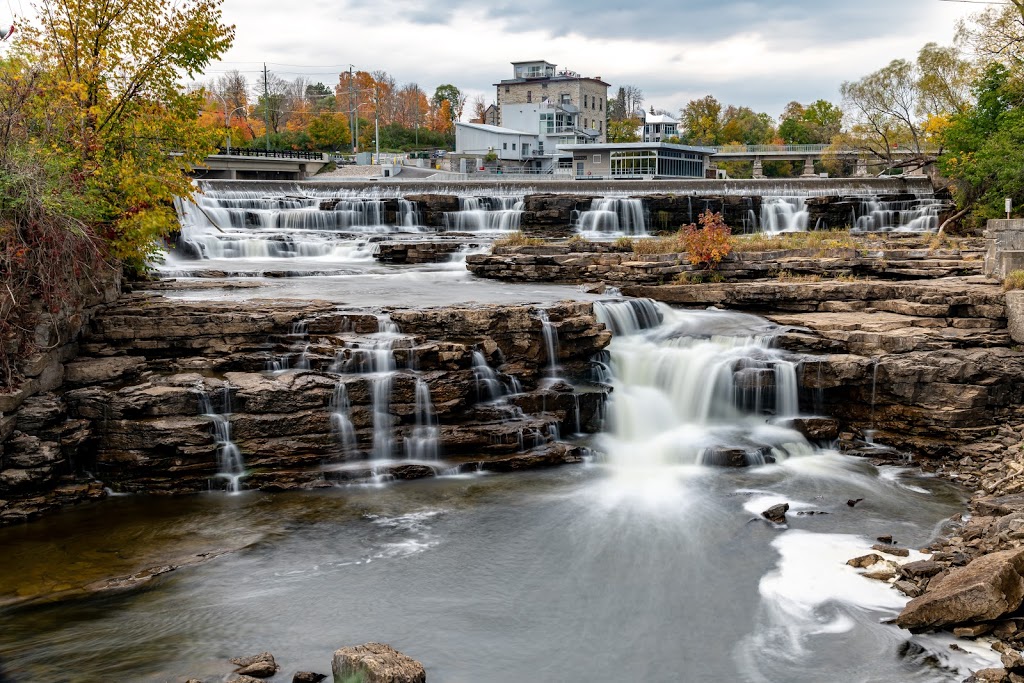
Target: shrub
[[624, 243], [1014, 280], [518, 239], [709, 244]]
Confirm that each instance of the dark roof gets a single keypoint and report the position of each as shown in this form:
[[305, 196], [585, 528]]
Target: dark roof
[[542, 79]]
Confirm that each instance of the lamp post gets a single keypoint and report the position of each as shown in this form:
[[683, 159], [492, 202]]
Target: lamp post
[[227, 119]]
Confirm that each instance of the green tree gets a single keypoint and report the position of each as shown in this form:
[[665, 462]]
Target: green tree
[[985, 146], [624, 130], [453, 96], [702, 121], [329, 131]]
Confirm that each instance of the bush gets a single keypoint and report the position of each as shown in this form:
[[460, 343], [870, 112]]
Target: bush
[[710, 243], [518, 239], [1014, 280]]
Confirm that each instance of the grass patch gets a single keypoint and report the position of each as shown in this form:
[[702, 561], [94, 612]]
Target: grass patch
[[789, 276], [820, 241], [658, 245], [624, 243], [518, 239], [1014, 280]]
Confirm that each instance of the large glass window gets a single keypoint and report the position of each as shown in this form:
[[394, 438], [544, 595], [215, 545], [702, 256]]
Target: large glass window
[[633, 162]]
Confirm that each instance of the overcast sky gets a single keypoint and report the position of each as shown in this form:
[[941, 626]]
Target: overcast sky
[[762, 54]]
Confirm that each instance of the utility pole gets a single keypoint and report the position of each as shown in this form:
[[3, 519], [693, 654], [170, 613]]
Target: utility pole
[[266, 106], [352, 113]]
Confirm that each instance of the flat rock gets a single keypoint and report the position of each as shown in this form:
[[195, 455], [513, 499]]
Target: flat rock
[[986, 589], [307, 677], [376, 663], [891, 550]]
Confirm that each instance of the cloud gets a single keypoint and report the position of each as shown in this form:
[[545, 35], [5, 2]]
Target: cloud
[[742, 52]]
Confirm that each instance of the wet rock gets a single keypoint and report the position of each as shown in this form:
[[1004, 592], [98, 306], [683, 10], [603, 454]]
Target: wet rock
[[257, 666], [908, 588], [985, 589], [989, 676], [1012, 660], [376, 663], [975, 631], [865, 561], [887, 540], [307, 677], [816, 428], [245, 679], [885, 570], [921, 568], [776, 514], [853, 501], [891, 550]]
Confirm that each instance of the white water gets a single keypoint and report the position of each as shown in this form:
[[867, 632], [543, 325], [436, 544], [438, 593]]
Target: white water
[[919, 215], [230, 464], [784, 214], [488, 387], [682, 386], [341, 418], [614, 216], [486, 214], [423, 442]]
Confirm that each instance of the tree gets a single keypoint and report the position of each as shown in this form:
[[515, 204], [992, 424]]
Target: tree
[[91, 109], [985, 146], [996, 34], [617, 106], [479, 109], [634, 100], [741, 125], [701, 119], [453, 96], [320, 97], [624, 130], [113, 73], [815, 124]]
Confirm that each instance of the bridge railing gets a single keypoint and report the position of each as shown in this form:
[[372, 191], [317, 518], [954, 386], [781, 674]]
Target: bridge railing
[[271, 154], [809, 150]]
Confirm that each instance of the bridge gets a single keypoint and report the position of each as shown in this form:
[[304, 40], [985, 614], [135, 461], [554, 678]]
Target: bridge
[[758, 154], [255, 164]]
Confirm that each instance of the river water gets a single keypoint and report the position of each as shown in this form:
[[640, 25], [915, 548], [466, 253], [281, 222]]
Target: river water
[[643, 564]]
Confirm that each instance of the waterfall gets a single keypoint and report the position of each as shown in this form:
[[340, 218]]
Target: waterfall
[[485, 214], [915, 215], [784, 214], [422, 443], [612, 215], [341, 418], [700, 387], [408, 214], [230, 464], [488, 387], [628, 317], [550, 342]]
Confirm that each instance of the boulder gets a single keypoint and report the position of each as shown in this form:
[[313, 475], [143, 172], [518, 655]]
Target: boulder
[[307, 677], [257, 666], [986, 589], [776, 514], [376, 663]]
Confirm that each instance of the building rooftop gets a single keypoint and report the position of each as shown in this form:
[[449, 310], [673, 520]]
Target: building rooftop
[[639, 145], [493, 129], [659, 118], [513, 81]]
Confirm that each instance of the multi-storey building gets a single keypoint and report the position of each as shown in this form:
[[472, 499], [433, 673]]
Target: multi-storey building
[[573, 100], [657, 127]]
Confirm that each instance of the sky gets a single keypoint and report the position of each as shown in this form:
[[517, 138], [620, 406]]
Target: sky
[[762, 54]]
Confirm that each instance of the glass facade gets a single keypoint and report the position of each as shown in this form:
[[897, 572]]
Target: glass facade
[[662, 162]]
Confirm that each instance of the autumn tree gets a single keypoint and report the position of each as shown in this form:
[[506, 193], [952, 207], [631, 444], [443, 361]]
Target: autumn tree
[[453, 97], [96, 134], [624, 130], [701, 120]]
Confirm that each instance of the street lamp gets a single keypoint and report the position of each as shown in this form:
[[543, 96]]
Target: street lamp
[[227, 119]]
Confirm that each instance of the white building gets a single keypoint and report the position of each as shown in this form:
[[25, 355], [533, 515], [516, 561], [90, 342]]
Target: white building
[[480, 139], [657, 127]]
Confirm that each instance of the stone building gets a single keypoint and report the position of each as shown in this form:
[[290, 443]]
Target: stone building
[[540, 82]]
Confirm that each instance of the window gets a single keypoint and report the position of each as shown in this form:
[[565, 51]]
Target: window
[[600, 104], [566, 99], [529, 96], [504, 145], [540, 147], [597, 158], [513, 146], [584, 101], [506, 88], [585, 122], [633, 162]]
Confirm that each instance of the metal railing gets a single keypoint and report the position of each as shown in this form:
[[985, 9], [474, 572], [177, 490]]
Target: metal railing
[[810, 150], [271, 154]]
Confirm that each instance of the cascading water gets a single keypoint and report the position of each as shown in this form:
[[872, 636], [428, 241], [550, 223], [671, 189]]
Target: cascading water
[[485, 214], [341, 418], [408, 214], [915, 215], [550, 342], [784, 214], [422, 442], [614, 215], [680, 389], [230, 464], [488, 387]]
